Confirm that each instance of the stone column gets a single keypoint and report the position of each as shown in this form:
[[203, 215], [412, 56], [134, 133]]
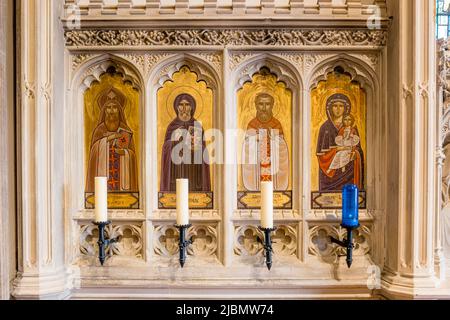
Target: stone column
[[7, 149], [227, 169], [409, 270], [42, 272]]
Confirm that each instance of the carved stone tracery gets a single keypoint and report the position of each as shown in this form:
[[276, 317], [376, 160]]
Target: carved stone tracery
[[248, 240], [204, 237], [222, 37], [130, 240], [320, 244]]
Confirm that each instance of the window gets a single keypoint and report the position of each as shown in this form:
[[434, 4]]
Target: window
[[443, 18]]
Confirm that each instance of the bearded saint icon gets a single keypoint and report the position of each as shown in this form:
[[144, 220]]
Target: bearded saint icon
[[112, 150], [265, 153]]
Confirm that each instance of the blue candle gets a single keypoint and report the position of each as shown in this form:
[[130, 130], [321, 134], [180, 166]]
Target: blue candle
[[350, 206]]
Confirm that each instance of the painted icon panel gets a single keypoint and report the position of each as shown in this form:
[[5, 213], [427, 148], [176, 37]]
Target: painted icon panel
[[338, 147], [185, 107], [265, 120], [111, 120]]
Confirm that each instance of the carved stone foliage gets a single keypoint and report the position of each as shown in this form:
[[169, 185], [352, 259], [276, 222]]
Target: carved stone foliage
[[130, 240], [145, 62], [221, 37], [214, 58], [78, 59], [204, 240], [295, 58], [237, 58], [320, 244], [311, 60], [248, 240], [372, 59], [139, 60]]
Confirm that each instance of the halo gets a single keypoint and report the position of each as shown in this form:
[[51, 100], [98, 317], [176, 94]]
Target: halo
[[332, 92], [189, 90]]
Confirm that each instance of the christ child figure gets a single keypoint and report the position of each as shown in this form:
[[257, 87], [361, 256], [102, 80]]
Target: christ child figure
[[346, 141]]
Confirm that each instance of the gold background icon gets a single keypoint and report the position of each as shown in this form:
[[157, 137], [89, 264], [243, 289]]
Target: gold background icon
[[264, 82], [184, 81], [335, 83], [92, 113]]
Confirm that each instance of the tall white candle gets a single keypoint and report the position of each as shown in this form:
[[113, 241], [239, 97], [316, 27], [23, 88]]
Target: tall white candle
[[267, 204], [101, 199], [182, 202]]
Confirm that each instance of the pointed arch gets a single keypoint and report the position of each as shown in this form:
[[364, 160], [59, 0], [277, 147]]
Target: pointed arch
[[162, 72], [285, 70], [376, 117], [359, 70], [165, 69], [92, 69], [289, 74]]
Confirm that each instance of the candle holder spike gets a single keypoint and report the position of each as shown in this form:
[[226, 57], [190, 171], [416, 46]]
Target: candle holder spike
[[103, 243], [267, 243], [347, 243], [183, 243]]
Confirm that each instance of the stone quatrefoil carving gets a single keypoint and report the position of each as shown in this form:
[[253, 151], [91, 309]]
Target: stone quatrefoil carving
[[205, 242], [247, 244], [130, 243], [321, 246], [166, 237]]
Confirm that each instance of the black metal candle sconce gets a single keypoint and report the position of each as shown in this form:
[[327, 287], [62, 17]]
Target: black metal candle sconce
[[267, 243], [183, 243], [347, 243], [102, 242]]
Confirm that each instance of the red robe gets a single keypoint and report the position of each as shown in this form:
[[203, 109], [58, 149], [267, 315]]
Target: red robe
[[335, 180]]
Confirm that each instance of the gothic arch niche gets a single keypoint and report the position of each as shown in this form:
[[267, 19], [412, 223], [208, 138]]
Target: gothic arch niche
[[112, 140], [185, 111], [94, 76], [286, 75], [287, 82], [90, 74], [161, 74], [165, 84], [265, 145], [361, 74], [338, 145]]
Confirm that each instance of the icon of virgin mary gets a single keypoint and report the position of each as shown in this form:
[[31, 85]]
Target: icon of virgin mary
[[329, 145]]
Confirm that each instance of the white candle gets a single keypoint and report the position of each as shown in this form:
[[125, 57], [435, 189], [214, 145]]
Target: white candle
[[182, 202], [267, 204], [101, 199]]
